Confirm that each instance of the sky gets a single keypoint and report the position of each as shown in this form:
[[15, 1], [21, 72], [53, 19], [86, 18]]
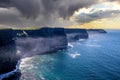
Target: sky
[[60, 13]]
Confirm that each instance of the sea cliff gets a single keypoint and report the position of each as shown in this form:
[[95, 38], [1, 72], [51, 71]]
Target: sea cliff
[[15, 44], [94, 31], [76, 34], [40, 41], [8, 56]]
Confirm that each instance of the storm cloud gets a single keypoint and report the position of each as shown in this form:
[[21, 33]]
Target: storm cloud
[[34, 8], [45, 12], [28, 8]]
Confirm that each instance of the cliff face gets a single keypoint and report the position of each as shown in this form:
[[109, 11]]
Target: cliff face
[[6, 36], [46, 32], [8, 56], [28, 43], [42, 41], [76, 34]]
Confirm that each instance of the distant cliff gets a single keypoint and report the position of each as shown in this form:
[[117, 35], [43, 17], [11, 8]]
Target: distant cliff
[[96, 31], [76, 34]]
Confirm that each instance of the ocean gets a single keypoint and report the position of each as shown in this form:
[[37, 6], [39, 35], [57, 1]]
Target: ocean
[[96, 58]]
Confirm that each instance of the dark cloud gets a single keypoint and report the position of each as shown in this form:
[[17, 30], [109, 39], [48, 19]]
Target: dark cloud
[[5, 3], [68, 7], [64, 8], [32, 8], [9, 16], [100, 14], [12, 18], [45, 12], [28, 8]]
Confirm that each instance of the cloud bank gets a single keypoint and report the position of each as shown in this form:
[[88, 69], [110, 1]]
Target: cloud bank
[[34, 8], [100, 11], [95, 15], [48, 12]]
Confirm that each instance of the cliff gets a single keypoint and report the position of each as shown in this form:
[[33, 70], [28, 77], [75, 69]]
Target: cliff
[[15, 44], [28, 43], [76, 34], [42, 41], [6, 36], [96, 31], [8, 56]]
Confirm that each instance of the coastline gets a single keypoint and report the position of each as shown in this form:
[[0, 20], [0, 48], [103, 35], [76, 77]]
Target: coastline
[[58, 32]]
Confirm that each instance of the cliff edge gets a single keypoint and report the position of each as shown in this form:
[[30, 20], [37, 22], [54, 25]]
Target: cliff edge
[[76, 34]]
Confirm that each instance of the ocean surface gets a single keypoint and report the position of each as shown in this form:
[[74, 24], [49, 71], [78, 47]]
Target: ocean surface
[[97, 58]]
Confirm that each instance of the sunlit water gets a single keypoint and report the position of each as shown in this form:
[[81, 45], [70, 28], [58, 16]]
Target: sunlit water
[[97, 58]]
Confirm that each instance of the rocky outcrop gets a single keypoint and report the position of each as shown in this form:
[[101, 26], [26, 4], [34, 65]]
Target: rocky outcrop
[[76, 34], [96, 31]]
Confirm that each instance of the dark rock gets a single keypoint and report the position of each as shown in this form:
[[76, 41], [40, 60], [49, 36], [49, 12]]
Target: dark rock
[[76, 34], [8, 56], [6, 36], [14, 76]]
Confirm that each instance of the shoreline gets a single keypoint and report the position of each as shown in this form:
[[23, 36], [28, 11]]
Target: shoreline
[[61, 34]]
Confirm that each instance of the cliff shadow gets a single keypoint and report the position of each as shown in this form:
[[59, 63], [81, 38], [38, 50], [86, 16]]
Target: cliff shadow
[[8, 53], [8, 61]]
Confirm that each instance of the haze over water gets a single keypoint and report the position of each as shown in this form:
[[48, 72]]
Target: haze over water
[[97, 58]]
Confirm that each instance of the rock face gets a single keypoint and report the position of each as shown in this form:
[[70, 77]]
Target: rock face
[[8, 56], [6, 36], [42, 41], [22, 43], [96, 31], [76, 34], [28, 43]]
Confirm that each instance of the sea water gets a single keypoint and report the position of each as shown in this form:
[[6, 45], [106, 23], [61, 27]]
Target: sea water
[[96, 58]]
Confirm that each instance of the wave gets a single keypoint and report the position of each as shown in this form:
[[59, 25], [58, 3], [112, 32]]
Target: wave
[[74, 55], [70, 45], [6, 75], [82, 39]]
